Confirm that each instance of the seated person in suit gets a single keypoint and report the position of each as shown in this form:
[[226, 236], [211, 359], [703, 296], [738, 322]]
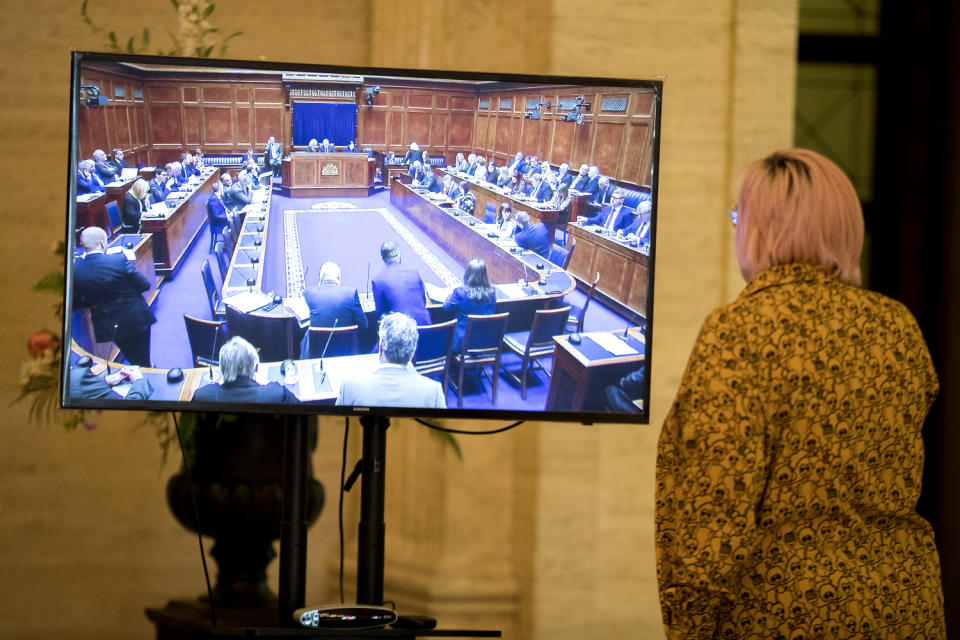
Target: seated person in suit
[[620, 396], [540, 188], [102, 166], [395, 383], [175, 177], [117, 162], [476, 297], [313, 146], [532, 166], [189, 166], [331, 305], [450, 187], [582, 179], [467, 202], [429, 180], [85, 384], [226, 180], [506, 222], [198, 157], [87, 179], [471, 164], [113, 289], [547, 171], [252, 170], [413, 154], [505, 177], [593, 181], [493, 173], [612, 217], [158, 186], [415, 171], [239, 195], [135, 201], [563, 174], [327, 147], [639, 229], [217, 210], [601, 197], [250, 157], [351, 147], [517, 163], [532, 236], [397, 288], [238, 364], [461, 163]]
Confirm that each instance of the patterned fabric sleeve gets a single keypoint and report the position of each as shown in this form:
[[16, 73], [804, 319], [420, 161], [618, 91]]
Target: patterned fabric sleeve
[[710, 476]]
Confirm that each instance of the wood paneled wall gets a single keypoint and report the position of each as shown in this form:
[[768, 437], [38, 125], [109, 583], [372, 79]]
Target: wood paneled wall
[[122, 124], [619, 142], [155, 119], [439, 120]]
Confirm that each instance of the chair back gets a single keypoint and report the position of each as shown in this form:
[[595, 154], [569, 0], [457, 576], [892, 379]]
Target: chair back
[[342, 341], [547, 323], [213, 294], [222, 260], [583, 312], [206, 337], [558, 255], [228, 245], [272, 335], [483, 335], [433, 346], [113, 218], [490, 216]]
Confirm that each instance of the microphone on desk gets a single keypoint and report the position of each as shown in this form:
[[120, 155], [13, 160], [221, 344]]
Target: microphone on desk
[[113, 339], [323, 375], [366, 292], [254, 259], [213, 349]]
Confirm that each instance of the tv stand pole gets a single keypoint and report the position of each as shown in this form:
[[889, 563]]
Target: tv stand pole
[[370, 539], [291, 590]]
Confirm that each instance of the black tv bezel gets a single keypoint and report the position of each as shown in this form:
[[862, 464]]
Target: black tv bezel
[[78, 58]]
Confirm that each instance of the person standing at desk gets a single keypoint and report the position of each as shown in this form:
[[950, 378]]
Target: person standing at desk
[[397, 288], [476, 297], [273, 155], [413, 154], [87, 179], [113, 289], [395, 383], [533, 237], [238, 364], [135, 202], [331, 304]]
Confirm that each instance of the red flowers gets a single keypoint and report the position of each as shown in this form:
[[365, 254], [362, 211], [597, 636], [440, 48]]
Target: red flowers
[[42, 341]]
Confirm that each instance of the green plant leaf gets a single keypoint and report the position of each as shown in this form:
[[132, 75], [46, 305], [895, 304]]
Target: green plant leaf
[[51, 283], [206, 14], [146, 38]]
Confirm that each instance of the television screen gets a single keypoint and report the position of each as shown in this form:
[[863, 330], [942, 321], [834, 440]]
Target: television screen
[[253, 236]]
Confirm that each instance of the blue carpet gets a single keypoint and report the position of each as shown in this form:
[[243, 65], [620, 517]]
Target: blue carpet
[[185, 294]]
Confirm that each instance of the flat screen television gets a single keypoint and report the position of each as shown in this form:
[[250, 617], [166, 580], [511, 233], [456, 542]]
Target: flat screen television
[[289, 238]]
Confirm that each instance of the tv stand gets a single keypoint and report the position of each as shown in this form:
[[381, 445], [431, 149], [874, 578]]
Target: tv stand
[[190, 620]]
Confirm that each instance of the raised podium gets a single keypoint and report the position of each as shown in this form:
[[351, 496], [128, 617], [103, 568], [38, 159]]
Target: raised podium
[[306, 174]]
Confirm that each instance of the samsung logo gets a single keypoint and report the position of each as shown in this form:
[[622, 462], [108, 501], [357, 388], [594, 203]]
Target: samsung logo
[[361, 408]]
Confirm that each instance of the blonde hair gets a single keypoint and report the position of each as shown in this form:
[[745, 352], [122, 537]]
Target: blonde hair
[[798, 206], [140, 188]]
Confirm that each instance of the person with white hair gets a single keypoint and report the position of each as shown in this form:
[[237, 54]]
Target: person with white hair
[[331, 304], [395, 383], [112, 288], [563, 175], [313, 146], [582, 179], [639, 229], [87, 179], [239, 196], [238, 364], [106, 171], [413, 154], [327, 147], [416, 172]]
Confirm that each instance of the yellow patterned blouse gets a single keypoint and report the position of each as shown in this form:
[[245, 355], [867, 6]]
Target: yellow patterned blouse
[[789, 467]]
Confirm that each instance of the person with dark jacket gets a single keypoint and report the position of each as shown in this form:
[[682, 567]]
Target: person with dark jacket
[[476, 297], [113, 289], [238, 364]]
